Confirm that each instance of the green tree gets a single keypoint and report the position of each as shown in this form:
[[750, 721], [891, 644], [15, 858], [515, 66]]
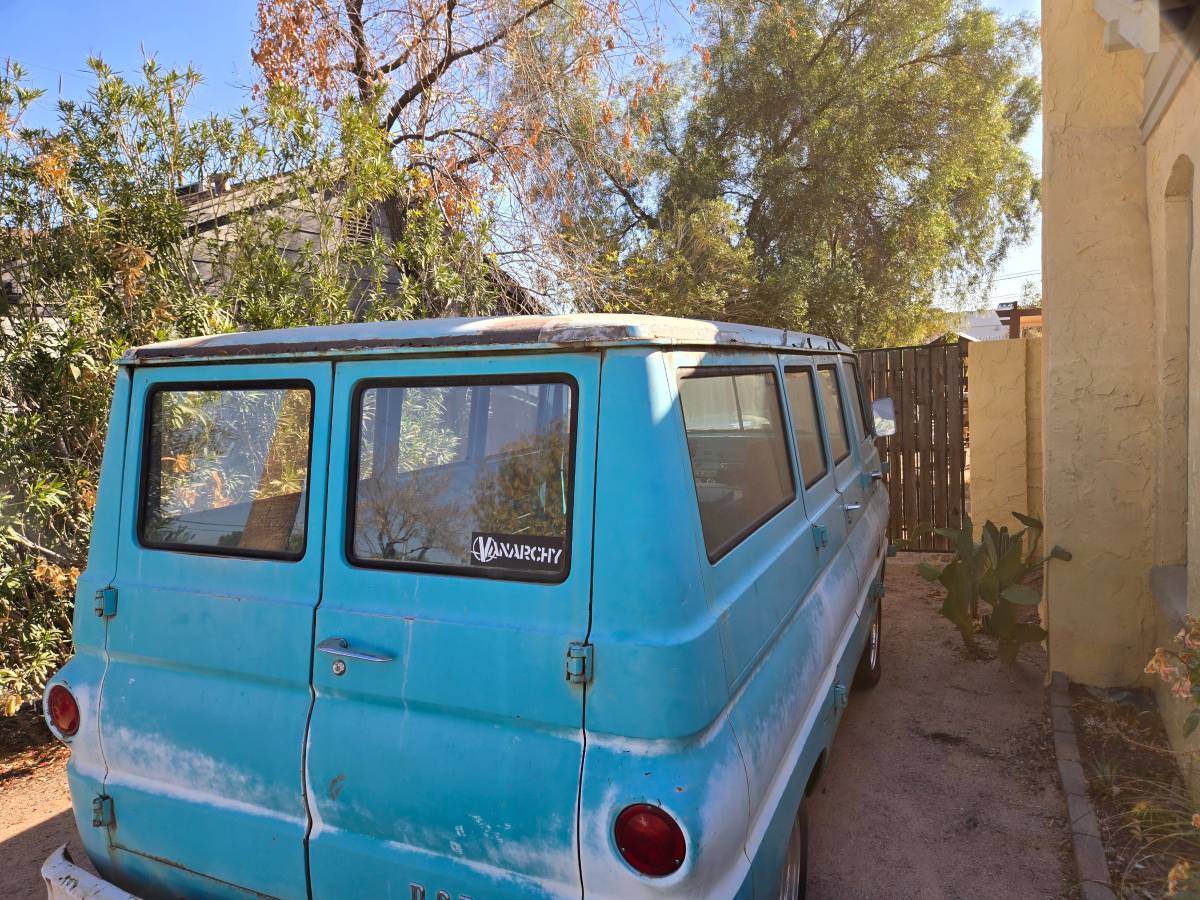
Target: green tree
[[100, 250], [869, 151]]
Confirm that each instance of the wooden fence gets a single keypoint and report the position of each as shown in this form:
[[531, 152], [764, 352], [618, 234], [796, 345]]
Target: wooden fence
[[927, 457]]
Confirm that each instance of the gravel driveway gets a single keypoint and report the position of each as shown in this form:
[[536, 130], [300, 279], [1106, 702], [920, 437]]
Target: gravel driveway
[[941, 783]]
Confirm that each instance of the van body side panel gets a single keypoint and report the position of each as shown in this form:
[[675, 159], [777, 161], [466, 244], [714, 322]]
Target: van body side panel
[[753, 587], [657, 637], [790, 713], [207, 691], [657, 727], [83, 674], [454, 764]]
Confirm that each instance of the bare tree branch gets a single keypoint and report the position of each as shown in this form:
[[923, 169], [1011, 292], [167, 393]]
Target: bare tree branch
[[426, 81]]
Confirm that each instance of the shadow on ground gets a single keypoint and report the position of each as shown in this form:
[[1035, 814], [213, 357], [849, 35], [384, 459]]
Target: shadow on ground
[[22, 855]]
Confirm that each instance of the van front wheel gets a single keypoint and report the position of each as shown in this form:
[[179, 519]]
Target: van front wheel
[[794, 880], [870, 667]]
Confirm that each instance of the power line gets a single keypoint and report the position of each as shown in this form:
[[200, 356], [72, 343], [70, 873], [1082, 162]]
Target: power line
[[1028, 274]]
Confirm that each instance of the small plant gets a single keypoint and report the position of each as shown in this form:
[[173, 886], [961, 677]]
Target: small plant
[[995, 570], [1180, 668], [1108, 775]]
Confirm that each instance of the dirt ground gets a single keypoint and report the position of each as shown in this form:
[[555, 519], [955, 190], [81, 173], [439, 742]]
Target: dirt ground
[[35, 807], [942, 782]]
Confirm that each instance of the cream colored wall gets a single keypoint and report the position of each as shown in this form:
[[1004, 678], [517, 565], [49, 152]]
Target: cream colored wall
[[1034, 467], [1099, 373], [1005, 429], [1168, 217], [1177, 135]]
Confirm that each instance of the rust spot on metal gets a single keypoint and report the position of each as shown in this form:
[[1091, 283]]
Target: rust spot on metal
[[335, 786]]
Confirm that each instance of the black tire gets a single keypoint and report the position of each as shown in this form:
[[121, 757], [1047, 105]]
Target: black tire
[[793, 880], [870, 666]]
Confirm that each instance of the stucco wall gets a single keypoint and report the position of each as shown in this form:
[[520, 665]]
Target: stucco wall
[[1004, 409], [1177, 300], [1034, 466], [1176, 137], [1098, 376]]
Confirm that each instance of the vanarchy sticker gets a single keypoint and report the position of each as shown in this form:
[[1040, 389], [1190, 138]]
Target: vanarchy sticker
[[516, 551]]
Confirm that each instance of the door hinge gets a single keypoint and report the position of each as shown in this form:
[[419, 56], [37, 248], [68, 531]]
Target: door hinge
[[102, 811], [876, 591], [106, 602], [820, 536], [579, 662]]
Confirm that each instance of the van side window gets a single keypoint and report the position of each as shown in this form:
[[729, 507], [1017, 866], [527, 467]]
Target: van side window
[[835, 415], [739, 454], [806, 425], [861, 415], [470, 478], [226, 470]]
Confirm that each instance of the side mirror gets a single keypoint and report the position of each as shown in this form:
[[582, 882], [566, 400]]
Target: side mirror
[[885, 416]]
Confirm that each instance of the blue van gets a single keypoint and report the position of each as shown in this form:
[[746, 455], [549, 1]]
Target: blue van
[[474, 608]]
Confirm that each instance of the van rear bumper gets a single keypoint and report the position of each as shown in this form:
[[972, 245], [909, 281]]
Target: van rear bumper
[[67, 881]]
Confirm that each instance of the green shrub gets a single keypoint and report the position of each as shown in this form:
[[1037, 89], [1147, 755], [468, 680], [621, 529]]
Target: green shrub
[[98, 254]]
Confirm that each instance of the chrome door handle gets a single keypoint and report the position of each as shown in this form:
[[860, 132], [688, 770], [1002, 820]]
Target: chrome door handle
[[877, 476], [336, 646], [852, 507]]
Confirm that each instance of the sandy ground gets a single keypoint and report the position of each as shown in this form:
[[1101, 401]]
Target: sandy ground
[[35, 819], [941, 783]]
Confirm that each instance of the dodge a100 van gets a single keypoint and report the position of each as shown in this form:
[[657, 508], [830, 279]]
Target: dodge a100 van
[[470, 608]]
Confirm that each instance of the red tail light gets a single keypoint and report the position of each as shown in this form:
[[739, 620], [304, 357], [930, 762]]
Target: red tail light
[[649, 839], [64, 711]]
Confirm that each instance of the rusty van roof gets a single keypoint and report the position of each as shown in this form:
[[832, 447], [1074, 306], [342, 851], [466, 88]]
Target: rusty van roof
[[566, 332]]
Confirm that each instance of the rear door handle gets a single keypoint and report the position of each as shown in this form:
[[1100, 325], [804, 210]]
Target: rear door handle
[[336, 646], [852, 507]]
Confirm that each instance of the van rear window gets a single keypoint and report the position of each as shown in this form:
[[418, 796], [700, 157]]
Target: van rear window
[[466, 477], [226, 469], [738, 450]]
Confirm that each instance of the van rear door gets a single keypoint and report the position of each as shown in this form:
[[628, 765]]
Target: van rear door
[[206, 694], [445, 744]]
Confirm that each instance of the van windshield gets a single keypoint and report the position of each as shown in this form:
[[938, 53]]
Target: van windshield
[[473, 478]]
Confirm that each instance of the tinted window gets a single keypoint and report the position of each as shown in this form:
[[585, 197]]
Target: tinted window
[[227, 470], [806, 425], [859, 401], [835, 416], [473, 478], [738, 452]]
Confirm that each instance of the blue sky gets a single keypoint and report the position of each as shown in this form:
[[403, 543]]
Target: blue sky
[[1028, 257], [54, 41]]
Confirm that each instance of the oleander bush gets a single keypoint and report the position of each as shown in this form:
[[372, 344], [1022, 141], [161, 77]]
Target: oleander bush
[[98, 253]]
